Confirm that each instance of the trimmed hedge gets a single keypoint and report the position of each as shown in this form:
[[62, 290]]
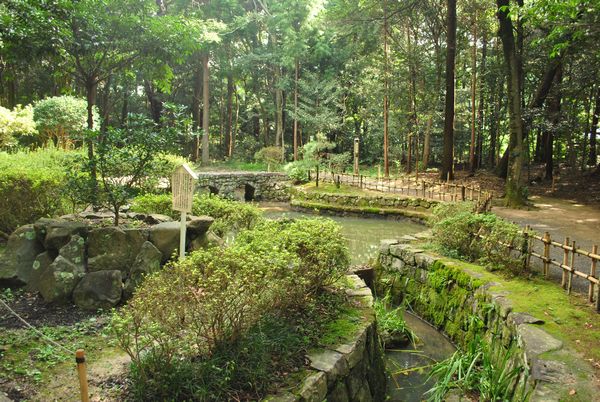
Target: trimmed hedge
[[32, 186]]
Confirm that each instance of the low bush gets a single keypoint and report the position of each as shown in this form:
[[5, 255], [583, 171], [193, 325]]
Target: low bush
[[226, 322], [271, 156], [486, 238], [32, 186], [230, 216]]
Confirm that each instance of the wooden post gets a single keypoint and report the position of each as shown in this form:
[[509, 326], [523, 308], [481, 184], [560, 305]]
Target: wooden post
[[573, 254], [471, 188], [546, 241], [526, 248], [423, 187], [593, 273], [563, 283], [82, 373], [361, 181], [448, 178], [463, 193]]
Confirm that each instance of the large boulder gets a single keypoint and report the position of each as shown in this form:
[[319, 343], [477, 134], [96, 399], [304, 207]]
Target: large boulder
[[102, 289], [147, 261], [57, 282], [40, 265], [17, 262], [165, 237], [198, 226], [205, 241], [57, 233], [113, 248]]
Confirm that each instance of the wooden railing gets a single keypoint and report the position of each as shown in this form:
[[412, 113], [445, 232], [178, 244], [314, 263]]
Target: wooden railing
[[427, 189], [568, 251]]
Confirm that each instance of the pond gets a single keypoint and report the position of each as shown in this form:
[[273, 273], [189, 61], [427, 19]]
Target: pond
[[363, 234], [407, 368]]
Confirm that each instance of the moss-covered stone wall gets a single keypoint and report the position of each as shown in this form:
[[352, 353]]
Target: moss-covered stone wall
[[349, 370], [363, 204], [464, 303]]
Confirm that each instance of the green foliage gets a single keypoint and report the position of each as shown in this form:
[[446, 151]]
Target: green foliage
[[61, 119], [16, 125], [339, 162], [390, 320], [32, 186], [478, 237], [482, 368], [230, 216], [271, 156], [221, 321]]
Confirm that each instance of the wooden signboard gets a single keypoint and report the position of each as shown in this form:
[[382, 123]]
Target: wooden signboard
[[183, 185]]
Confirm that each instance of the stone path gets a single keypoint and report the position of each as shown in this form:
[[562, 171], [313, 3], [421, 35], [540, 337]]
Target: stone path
[[561, 218]]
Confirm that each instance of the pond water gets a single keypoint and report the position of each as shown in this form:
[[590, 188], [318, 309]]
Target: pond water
[[363, 234], [407, 368]]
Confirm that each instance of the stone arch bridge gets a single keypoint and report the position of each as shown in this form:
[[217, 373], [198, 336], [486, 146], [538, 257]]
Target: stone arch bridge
[[245, 186]]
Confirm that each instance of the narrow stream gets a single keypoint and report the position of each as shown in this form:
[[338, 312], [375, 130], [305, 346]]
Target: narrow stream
[[407, 368]]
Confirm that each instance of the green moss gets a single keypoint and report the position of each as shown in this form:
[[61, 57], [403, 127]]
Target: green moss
[[343, 328], [357, 209]]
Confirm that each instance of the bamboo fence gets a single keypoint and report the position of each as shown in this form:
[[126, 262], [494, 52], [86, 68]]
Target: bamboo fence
[[434, 190], [569, 251]]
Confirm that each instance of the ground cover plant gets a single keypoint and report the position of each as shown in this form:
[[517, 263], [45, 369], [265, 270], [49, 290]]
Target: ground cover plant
[[232, 322]]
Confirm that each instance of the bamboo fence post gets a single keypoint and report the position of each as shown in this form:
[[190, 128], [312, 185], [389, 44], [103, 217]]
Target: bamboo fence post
[[455, 192], [81, 372], [423, 187], [527, 241], [573, 254], [563, 283], [547, 240], [592, 273], [463, 193]]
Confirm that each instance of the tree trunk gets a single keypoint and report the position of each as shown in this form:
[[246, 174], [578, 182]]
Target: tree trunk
[[426, 142], [196, 106], [386, 163], [296, 75], [205, 108], [229, 115], [154, 102], [91, 87], [554, 118], [448, 155], [481, 114], [593, 157], [472, 162], [514, 189]]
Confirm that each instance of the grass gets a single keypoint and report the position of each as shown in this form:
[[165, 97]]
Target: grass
[[317, 206], [239, 166], [569, 318], [342, 328]]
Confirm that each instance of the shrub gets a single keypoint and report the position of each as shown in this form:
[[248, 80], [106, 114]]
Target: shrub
[[271, 156], [209, 327], [16, 124], [297, 171], [32, 186], [483, 237], [230, 216], [61, 119]]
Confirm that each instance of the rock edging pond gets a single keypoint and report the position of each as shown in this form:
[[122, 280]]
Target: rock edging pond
[[449, 295], [383, 205], [353, 370]]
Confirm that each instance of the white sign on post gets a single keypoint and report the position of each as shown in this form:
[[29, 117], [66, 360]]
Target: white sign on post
[[183, 184]]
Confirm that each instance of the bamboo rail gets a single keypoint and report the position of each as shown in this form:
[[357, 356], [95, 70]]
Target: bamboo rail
[[434, 190]]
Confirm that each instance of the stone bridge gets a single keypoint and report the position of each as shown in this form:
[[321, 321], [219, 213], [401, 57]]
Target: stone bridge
[[245, 186]]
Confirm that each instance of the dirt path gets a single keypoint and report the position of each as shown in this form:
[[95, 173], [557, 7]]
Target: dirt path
[[561, 218]]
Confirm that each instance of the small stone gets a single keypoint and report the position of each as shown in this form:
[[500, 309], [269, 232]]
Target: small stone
[[281, 397], [314, 388], [384, 245], [198, 225], [354, 351], [332, 363], [359, 292], [398, 250], [58, 233], [153, 219], [536, 341], [522, 318]]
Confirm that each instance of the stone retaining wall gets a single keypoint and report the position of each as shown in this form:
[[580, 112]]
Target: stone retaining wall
[[449, 296], [351, 371], [369, 204], [96, 267], [246, 186]]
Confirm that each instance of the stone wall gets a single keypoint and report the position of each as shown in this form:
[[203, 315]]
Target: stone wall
[[246, 186], [351, 371], [449, 296], [363, 204], [93, 265]]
